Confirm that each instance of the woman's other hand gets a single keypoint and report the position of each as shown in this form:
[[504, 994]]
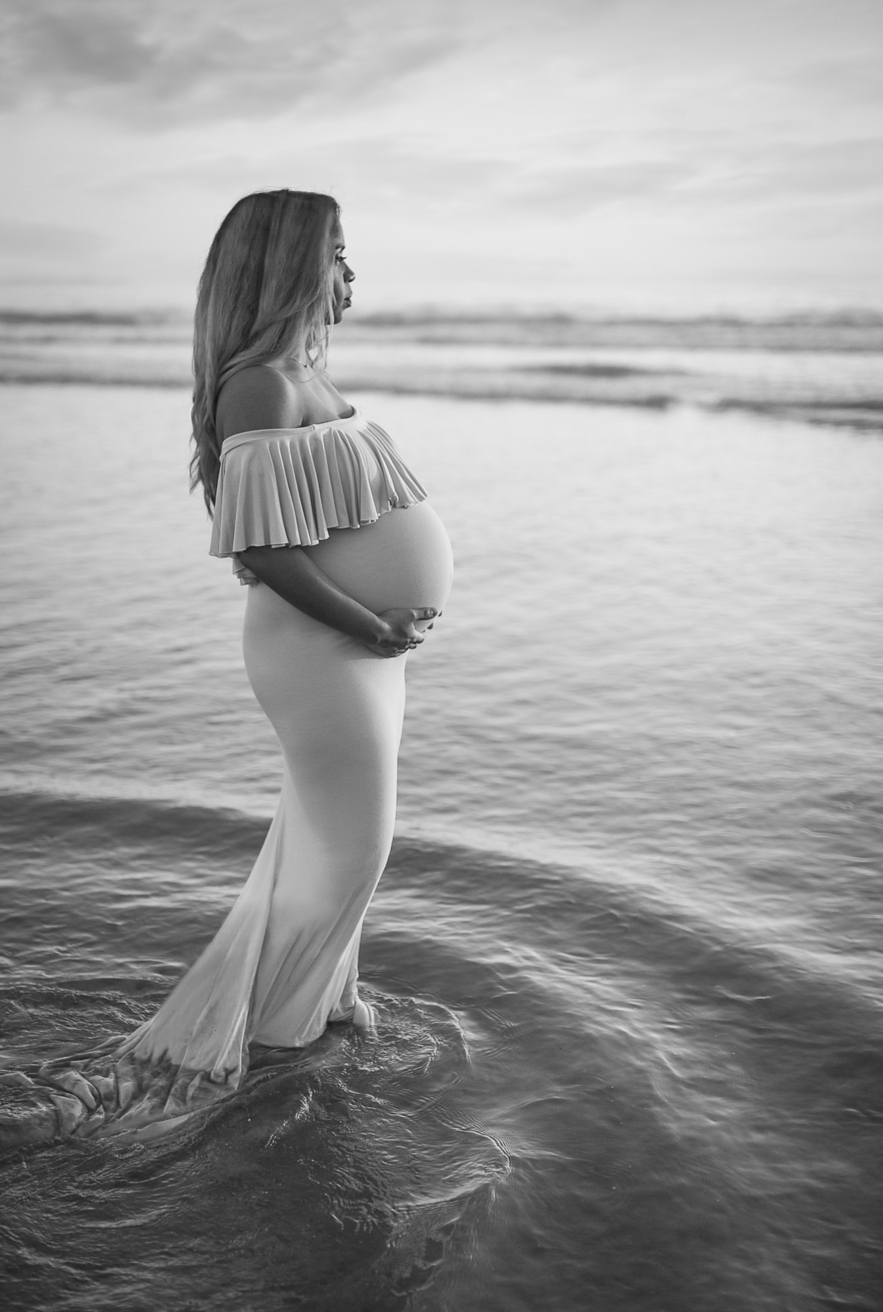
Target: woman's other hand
[[400, 632]]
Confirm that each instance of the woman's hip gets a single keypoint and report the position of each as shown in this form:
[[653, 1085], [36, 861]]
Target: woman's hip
[[317, 685]]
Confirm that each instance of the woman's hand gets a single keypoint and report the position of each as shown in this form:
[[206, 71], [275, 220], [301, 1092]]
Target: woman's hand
[[293, 575], [400, 633]]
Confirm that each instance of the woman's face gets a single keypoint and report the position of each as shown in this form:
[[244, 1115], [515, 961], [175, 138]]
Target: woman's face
[[343, 274]]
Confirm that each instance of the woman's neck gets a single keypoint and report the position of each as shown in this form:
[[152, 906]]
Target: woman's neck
[[296, 368]]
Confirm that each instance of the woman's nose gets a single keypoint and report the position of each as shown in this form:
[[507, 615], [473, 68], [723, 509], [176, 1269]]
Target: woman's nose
[[348, 275]]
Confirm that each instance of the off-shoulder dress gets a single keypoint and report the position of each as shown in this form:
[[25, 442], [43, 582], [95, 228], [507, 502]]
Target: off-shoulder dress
[[285, 961]]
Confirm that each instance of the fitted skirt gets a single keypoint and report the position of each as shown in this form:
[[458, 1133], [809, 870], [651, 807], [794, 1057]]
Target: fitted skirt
[[285, 961]]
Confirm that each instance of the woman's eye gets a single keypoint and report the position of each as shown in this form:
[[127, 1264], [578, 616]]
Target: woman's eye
[[339, 255]]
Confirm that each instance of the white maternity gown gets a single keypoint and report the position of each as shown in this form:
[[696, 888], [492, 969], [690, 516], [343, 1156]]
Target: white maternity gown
[[285, 961]]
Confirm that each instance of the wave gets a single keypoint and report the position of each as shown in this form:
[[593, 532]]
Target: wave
[[846, 393], [42, 818], [500, 324], [648, 391], [89, 318], [856, 329], [813, 368], [80, 377], [565, 1064], [559, 910]]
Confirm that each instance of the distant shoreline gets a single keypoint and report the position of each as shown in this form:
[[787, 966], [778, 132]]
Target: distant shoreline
[[859, 330]]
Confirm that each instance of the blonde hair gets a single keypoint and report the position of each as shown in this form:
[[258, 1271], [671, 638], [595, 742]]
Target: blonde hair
[[266, 291]]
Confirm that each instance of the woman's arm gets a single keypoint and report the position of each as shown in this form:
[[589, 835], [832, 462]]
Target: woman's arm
[[257, 397], [261, 397], [297, 579]]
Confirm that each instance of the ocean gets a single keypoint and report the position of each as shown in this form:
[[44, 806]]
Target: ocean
[[627, 954]]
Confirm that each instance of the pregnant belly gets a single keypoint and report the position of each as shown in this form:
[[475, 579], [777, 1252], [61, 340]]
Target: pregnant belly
[[404, 559]]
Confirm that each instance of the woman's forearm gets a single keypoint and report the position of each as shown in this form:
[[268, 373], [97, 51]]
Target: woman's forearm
[[291, 573]]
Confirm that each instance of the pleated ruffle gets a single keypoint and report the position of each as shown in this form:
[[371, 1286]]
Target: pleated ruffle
[[291, 486]]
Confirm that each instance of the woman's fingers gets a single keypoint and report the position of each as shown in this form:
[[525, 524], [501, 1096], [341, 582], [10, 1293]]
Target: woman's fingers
[[405, 636]]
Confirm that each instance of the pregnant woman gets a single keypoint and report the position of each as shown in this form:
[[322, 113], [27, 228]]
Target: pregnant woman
[[347, 565]]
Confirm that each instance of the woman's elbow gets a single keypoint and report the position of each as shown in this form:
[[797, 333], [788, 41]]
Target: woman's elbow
[[264, 561]]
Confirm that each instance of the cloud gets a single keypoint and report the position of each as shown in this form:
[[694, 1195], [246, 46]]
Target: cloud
[[847, 80], [577, 188], [686, 129], [162, 61], [841, 167], [48, 241], [374, 172], [844, 168]]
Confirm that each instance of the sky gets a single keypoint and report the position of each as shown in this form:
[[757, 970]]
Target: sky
[[600, 154]]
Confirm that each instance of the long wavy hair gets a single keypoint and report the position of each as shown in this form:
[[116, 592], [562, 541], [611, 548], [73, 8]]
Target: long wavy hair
[[266, 291]]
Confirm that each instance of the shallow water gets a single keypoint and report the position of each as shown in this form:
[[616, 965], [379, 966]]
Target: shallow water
[[627, 953]]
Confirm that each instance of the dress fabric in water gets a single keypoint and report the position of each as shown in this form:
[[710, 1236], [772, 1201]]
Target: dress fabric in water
[[285, 961]]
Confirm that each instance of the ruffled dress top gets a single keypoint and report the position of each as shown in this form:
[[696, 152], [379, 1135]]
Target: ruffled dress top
[[282, 487]]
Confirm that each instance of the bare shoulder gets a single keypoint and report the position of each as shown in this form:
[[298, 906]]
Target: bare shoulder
[[258, 397]]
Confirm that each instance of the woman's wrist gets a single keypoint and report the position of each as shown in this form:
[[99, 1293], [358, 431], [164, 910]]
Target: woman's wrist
[[376, 629], [298, 580]]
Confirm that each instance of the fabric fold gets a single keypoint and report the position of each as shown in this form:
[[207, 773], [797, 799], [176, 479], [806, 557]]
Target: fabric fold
[[291, 486]]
